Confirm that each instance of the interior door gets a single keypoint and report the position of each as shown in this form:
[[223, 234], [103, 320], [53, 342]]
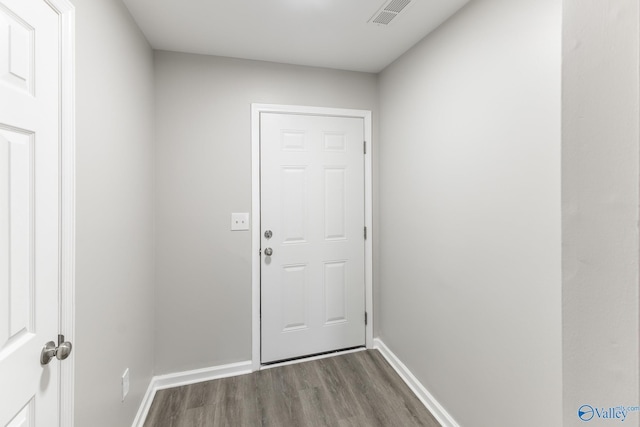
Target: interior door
[[29, 211], [312, 230]]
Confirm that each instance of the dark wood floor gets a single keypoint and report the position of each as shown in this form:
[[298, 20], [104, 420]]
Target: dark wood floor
[[356, 389]]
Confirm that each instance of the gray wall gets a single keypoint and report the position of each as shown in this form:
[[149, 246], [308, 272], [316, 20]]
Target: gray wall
[[203, 163], [470, 275], [600, 175], [114, 265]]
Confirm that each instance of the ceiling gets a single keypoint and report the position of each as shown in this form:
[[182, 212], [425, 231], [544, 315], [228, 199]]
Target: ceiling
[[320, 33]]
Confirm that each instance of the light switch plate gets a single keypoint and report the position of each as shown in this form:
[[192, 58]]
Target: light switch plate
[[239, 221]]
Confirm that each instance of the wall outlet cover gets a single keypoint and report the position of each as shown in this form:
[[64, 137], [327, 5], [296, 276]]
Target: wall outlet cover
[[239, 221], [125, 383]]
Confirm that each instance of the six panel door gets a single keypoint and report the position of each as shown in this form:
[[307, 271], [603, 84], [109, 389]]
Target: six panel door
[[312, 202], [29, 211]]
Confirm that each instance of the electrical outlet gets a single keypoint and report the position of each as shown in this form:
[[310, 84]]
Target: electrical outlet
[[125, 383], [239, 221]]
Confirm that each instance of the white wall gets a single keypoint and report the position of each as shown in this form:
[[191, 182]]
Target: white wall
[[203, 120], [600, 176], [114, 268], [470, 275]]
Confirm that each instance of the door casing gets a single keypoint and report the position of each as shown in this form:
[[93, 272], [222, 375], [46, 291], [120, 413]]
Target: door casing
[[256, 111], [66, 13]]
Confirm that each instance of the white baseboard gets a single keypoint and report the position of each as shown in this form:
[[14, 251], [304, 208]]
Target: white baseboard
[[145, 405], [416, 386], [178, 379]]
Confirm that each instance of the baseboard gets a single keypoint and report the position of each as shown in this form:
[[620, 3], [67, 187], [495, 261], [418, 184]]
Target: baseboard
[[178, 379], [416, 386], [145, 405]]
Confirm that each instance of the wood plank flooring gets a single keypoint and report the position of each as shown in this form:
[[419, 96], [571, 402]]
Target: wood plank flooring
[[357, 389]]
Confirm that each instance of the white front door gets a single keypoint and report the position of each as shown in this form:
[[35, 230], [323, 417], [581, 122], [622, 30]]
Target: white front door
[[312, 211], [29, 211]]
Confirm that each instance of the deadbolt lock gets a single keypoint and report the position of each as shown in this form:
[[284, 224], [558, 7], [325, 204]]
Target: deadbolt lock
[[268, 234]]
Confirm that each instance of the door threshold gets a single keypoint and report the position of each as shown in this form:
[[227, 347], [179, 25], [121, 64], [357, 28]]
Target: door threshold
[[309, 358]]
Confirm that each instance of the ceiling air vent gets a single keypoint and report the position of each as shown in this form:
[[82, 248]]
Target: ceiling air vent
[[389, 11]]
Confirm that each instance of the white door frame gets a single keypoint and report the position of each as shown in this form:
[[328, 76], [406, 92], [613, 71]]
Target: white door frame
[[66, 13], [256, 110]]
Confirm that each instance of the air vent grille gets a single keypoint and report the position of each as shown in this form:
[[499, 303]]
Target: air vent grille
[[389, 11], [397, 5], [384, 18]]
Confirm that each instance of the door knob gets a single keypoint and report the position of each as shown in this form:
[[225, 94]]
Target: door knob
[[268, 252], [61, 351], [48, 352]]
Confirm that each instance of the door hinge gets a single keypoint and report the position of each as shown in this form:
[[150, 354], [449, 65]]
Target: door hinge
[[365, 146], [365, 233], [366, 320]]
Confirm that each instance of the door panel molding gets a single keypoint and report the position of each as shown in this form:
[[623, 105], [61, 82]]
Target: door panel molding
[[332, 143]]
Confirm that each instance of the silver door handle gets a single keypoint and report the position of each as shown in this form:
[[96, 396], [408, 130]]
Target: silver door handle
[[61, 351], [48, 352], [268, 252]]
